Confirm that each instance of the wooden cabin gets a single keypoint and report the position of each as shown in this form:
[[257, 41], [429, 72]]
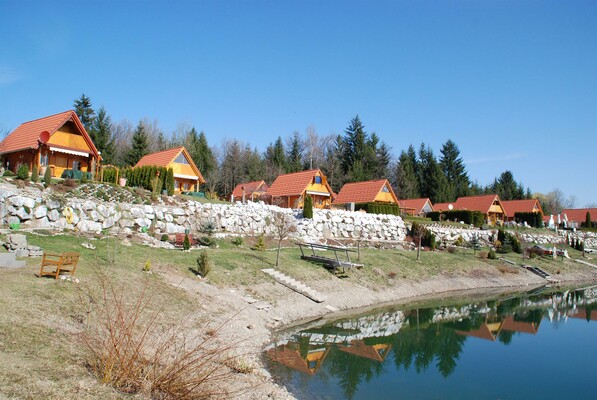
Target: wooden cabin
[[290, 355], [187, 176], [489, 205], [512, 207], [290, 190], [376, 191], [59, 142], [249, 191], [416, 207]]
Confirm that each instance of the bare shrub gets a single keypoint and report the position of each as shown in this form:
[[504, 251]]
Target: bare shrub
[[134, 347], [452, 249], [483, 254]]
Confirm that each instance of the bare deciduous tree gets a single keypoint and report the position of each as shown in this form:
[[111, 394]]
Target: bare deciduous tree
[[284, 225]]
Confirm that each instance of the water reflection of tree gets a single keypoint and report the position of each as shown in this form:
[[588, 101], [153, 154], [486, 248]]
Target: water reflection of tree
[[351, 370]]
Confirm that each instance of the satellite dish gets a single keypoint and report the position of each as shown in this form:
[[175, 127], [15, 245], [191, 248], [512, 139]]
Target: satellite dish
[[450, 206], [44, 137]]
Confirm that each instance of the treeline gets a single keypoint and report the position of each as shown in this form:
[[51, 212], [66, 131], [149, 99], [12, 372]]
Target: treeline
[[354, 156]]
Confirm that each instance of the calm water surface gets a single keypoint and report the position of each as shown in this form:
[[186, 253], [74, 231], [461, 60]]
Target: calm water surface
[[540, 345]]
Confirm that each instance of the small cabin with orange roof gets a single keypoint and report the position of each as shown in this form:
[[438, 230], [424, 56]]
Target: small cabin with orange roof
[[489, 205], [416, 207], [579, 215], [512, 207], [187, 176], [376, 191], [290, 190], [249, 191], [58, 142]]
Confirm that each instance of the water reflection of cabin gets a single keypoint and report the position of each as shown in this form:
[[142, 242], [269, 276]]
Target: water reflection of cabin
[[377, 352], [187, 176], [491, 328], [58, 142], [290, 190], [307, 361]]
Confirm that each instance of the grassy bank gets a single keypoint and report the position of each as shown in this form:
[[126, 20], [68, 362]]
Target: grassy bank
[[42, 319]]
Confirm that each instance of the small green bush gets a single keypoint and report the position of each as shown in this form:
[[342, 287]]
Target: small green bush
[[260, 245], [203, 264], [164, 238], [532, 255], [8, 173], [84, 178], [186, 244], [459, 241], [23, 172], [48, 176], [308, 207], [34, 174], [237, 241], [491, 255], [207, 241]]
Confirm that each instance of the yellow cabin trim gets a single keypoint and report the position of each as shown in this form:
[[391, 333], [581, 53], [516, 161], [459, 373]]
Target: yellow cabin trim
[[182, 169], [66, 139], [385, 197]]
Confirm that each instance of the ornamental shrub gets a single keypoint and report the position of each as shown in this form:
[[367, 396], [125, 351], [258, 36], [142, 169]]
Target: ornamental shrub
[[203, 264], [34, 174], [48, 176], [23, 172], [308, 207]]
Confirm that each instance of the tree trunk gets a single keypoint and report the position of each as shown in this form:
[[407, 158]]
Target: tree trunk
[[278, 254]]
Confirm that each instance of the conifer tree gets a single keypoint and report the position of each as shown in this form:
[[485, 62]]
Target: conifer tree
[[139, 146], [294, 155], [101, 135], [406, 182], [206, 161], [84, 111], [454, 169]]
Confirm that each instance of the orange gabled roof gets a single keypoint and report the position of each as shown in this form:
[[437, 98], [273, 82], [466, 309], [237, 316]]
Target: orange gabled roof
[[165, 157], [510, 324], [250, 188], [513, 206], [482, 333], [363, 192], [476, 203], [442, 206], [415, 204], [295, 184], [359, 348], [579, 214], [26, 136]]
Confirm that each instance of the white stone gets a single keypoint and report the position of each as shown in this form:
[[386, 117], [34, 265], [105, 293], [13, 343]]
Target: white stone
[[40, 212], [137, 212], [178, 211], [89, 226]]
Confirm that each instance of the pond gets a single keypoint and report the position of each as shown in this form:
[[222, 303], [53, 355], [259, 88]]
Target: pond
[[537, 345]]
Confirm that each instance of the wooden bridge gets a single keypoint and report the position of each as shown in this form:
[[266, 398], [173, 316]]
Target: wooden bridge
[[312, 252]]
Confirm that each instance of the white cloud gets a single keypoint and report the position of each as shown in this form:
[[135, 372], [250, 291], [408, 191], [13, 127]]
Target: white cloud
[[8, 75], [499, 157]]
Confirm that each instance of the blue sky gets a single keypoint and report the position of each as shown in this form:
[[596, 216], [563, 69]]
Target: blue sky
[[513, 83]]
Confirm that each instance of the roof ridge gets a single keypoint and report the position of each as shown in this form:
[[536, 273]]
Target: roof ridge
[[48, 116]]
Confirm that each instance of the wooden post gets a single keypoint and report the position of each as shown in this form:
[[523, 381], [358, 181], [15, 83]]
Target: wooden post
[[419, 249]]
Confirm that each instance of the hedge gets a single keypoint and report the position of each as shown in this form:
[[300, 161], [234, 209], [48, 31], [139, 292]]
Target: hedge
[[141, 177], [531, 218], [378, 208], [476, 218]]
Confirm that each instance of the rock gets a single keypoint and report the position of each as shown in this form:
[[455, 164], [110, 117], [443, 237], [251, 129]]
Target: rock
[[178, 211], [88, 246], [53, 215], [89, 226], [40, 212], [16, 201], [23, 214], [108, 223], [137, 212], [52, 204]]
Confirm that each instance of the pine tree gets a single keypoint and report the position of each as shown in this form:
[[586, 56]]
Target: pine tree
[[359, 152], [206, 161], [308, 207], [84, 111], [48, 177], [139, 146], [506, 187], [101, 135], [294, 155], [191, 143], [406, 182], [34, 174], [454, 169], [384, 157], [332, 164], [433, 183], [587, 219]]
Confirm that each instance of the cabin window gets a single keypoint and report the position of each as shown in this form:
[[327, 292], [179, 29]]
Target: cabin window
[[43, 159], [317, 179], [181, 159], [186, 186], [76, 165], [385, 189]]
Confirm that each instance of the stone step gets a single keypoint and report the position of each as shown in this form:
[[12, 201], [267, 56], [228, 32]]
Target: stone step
[[8, 260], [295, 285]]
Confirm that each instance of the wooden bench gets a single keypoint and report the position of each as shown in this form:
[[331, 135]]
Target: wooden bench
[[330, 262], [53, 264]]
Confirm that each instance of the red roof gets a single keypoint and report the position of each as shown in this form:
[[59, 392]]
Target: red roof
[[362, 192], [476, 203], [250, 188], [484, 332], [165, 157], [441, 206], [295, 184], [415, 204], [579, 214], [510, 324], [513, 206], [26, 136]]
